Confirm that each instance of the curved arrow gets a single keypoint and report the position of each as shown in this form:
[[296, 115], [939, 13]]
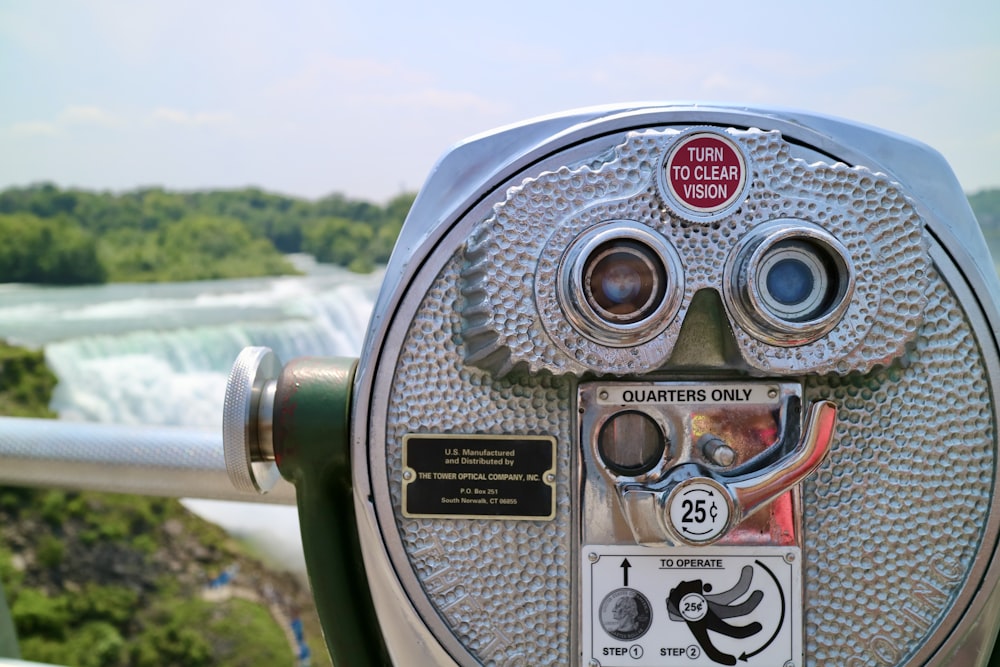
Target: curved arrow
[[781, 593]]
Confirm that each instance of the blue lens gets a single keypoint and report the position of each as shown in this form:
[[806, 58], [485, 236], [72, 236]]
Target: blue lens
[[790, 282]]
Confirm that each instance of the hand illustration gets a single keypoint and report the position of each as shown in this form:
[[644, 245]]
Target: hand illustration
[[691, 602]]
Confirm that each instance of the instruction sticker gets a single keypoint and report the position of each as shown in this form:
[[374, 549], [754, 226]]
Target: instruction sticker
[[691, 607], [484, 476]]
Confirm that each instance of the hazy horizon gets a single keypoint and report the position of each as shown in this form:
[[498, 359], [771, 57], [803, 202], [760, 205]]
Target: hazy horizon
[[361, 99]]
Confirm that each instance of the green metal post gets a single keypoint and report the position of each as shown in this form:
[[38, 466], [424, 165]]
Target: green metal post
[[8, 634], [312, 447]]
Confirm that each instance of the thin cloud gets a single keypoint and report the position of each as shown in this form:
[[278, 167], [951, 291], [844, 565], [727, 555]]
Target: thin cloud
[[87, 115], [181, 117], [34, 128], [79, 117], [365, 79], [375, 83], [437, 100], [73, 116], [325, 73], [749, 75]]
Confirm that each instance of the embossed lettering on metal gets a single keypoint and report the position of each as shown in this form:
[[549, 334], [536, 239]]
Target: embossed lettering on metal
[[691, 607], [460, 476], [678, 393]]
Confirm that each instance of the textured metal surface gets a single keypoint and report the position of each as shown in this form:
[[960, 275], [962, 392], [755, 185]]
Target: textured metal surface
[[242, 425], [473, 596], [514, 316], [893, 518], [473, 569], [123, 459], [897, 514]]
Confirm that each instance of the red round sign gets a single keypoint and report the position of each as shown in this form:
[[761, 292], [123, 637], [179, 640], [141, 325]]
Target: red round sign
[[705, 172]]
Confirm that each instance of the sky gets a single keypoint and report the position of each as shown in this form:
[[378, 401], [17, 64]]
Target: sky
[[309, 98]]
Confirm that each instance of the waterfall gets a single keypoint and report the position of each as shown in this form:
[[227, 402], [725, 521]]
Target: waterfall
[[160, 354], [178, 376]]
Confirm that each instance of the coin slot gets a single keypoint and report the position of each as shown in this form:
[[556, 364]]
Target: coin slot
[[631, 443]]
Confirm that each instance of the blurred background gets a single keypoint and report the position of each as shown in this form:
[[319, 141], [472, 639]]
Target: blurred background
[[181, 179], [307, 98]]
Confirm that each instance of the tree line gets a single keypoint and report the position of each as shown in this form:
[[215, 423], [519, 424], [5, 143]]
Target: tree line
[[69, 236], [986, 205]]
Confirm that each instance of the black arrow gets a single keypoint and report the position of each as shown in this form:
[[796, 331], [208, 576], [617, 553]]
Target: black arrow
[[625, 566], [781, 594]]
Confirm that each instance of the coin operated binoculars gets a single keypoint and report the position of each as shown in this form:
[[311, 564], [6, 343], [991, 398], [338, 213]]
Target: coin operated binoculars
[[656, 386]]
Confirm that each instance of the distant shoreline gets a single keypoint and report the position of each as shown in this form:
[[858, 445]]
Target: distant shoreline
[[78, 237]]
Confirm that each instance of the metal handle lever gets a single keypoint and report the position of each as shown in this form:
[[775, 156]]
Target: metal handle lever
[[735, 499], [664, 511], [753, 492]]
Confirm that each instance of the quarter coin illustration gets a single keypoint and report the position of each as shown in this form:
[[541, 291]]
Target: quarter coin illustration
[[625, 614]]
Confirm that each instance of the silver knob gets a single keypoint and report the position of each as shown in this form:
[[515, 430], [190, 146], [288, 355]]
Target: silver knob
[[717, 451], [247, 423]]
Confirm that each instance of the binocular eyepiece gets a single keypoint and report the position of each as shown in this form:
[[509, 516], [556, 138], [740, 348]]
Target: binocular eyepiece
[[675, 386], [621, 284]]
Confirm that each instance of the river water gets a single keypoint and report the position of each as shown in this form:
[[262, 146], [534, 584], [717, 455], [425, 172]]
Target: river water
[[160, 354]]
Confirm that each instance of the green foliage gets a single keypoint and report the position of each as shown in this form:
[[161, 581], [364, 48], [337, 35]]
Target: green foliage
[[95, 644], [110, 604], [99, 645], [76, 236], [9, 574], [45, 650], [111, 517], [26, 383], [98, 579], [196, 632], [50, 551], [243, 618], [194, 247], [53, 507], [172, 645], [14, 498], [986, 205], [153, 620], [49, 251], [338, 241], [37, 614]]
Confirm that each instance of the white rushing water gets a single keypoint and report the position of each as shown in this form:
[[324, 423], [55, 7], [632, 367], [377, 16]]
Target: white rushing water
[[160, 354]]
